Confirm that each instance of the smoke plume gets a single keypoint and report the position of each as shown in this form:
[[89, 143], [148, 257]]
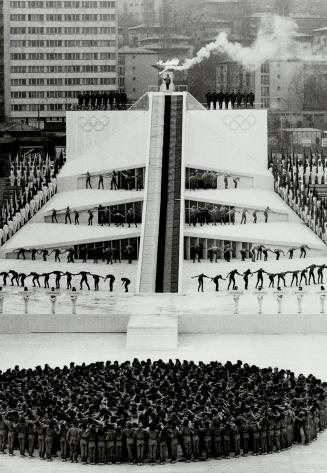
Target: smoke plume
[[276, 39]]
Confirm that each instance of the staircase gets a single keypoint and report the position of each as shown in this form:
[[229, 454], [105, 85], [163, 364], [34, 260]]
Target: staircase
[[151, 208], [169, 235]]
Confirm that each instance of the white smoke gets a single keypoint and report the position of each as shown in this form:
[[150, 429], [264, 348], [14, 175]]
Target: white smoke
[[276, 39]]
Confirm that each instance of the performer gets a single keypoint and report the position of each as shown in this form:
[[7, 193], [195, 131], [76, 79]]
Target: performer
[[83, 275], [246, 275], [216, 280], [96, 279], [58, 275], [200, 280], [57, 253], [21, 251], [111, 278], [303, 249], [14, 277], [35, 277], [231, 276], [125, 282], [260, 272], [88, 180]]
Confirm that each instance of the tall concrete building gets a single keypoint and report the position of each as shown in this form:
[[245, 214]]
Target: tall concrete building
[[2, 92], [58, 49]]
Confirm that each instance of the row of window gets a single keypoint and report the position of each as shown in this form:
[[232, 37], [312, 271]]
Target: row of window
[[43, 94], [68, 43], [21, 107], [62, 69], [66, 81], [62, 56], [62, 4], [57, 30], [66, 17]]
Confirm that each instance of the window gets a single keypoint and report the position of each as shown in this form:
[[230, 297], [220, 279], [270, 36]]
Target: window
[[53, 69], [72, 17], [18, 95], [53, 17], [36, 43], [90, 17], [17, 56], [265, 79], [36, 81], [107, 80], [17, 43], [107, 4], [72, 81], [17, 17], [18, 30], [54, 4], [36, 69], [35, 4], [265, 91], [18, 69], [36, 56], [55, 30], [54, 81], [265, 68], [36, 94], [52, 43], [106, 17], [53, 56], [35, 17], [18, 4], [55, 94], [18, 81], [35, 30], [265, 103]]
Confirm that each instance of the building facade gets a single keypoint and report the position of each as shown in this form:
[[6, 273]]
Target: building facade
[[136, 71], [2, 91], [58, 49]]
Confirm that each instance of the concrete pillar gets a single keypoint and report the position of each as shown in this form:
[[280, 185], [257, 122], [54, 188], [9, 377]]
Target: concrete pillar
[[188, 247], [238, 249], [205, 249]]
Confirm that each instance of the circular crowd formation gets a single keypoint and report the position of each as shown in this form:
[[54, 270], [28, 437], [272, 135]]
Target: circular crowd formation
[[155, 411]]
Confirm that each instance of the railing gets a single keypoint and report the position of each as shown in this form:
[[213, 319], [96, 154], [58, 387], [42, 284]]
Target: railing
[[178, 88], [288, 302]]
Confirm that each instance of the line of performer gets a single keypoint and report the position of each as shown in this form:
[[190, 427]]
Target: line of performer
[[19, 278], [311, 274]]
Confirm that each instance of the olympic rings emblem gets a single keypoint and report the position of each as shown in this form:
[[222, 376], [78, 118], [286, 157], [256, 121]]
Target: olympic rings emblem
[[240, 122], [93, 123]]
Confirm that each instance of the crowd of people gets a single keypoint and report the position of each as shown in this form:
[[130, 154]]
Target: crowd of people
[[223, 99], [35, 177], [295, 179], [222, 214], [156, 411], [127, 180], [114, 100], [19, 278], [299, 277], [199, 179], [105, 216], [104, 254], [255, 252]]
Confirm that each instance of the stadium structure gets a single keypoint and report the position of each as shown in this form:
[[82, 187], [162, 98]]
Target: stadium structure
[[164, 138]]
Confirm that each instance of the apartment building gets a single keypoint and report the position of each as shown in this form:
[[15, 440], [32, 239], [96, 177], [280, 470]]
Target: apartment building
[[57, 50]]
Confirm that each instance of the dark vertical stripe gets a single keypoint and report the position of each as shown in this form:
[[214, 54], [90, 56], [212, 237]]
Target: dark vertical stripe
[[164, 197]]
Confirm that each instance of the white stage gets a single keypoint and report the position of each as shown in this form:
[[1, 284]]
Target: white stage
[[90, 198], [252, 199], [55, 235], [284, 234]]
